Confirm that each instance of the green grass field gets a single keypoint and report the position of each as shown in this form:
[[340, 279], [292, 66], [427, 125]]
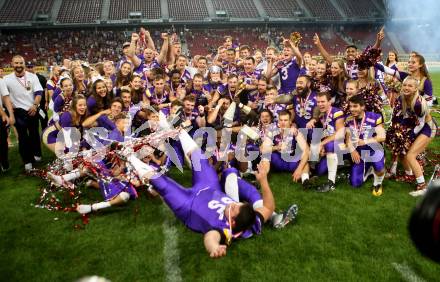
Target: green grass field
[[347, 235]]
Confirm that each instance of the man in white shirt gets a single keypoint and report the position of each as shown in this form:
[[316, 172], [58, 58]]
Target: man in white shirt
[[25, 93], [5, 122]]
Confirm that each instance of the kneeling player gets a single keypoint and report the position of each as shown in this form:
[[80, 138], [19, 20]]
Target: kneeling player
[[363, 137], [284, 143], [332, 122]]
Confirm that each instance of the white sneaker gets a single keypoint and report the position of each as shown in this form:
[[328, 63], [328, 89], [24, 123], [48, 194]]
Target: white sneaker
[[418, 193], [28, 167], [37, 159], [84, 209]]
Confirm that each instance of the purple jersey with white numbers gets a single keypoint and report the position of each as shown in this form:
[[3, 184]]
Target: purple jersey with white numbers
[[246, 193], [352, 70], [228, 68], [207, 211], [289, 73], [249, 77], [328, 121], [304, 108], [363, 128], [224, 91], [275, 109]]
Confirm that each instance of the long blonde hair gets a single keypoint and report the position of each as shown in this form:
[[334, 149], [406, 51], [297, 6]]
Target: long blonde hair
[[414, 98]]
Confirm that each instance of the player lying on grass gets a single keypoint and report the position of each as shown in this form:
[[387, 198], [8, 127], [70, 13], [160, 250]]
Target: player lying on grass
[[205, 208]]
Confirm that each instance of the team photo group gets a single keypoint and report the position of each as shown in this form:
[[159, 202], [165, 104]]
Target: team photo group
[[232, 117]]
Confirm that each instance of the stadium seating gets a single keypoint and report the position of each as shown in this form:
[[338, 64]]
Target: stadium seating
[[359, 9], [237, 9], [18, 11], [281, 8], [188, 9], [120, 9], [80, 11], [323, 9]]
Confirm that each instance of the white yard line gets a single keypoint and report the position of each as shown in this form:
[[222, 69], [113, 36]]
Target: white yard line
[[170, 247], [407, 273]]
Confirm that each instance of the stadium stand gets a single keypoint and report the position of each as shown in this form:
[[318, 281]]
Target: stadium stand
[[281, 8], [188, 9], [359, 9], [237, 9], [18, 11], [120, 9], [79, 11], [322, 9]]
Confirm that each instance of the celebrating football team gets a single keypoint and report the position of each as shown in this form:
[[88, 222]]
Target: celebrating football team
[[233, 118]]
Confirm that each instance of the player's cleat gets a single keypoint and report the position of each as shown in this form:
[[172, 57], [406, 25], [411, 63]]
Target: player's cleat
[[84, 209], [327, 187], [342, 176], [287, 216], [307, 184], [377, 190], [310, 183]]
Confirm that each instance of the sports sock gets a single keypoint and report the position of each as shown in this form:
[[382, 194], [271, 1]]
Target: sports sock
[[420, 179], [393, 169], [304, 177], [72, 175], [332, 165], [378, 179], [101, 205], [231, 186]]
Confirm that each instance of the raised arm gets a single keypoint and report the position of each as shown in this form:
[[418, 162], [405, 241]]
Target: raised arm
[[132, 50], [379, 38], [268, 199], [162, 58], [321, 49], [148, 39]]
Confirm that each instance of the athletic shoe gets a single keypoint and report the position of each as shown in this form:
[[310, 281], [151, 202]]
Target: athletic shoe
[[377, 190], [420, 190], [310, 183], [327, 187], [342, 176], [5, 167], [37, 159], [28, 167], [84, 209], [287, 216], [418, 193]]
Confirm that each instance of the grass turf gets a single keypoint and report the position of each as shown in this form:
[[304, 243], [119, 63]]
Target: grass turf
[[346, 235]]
